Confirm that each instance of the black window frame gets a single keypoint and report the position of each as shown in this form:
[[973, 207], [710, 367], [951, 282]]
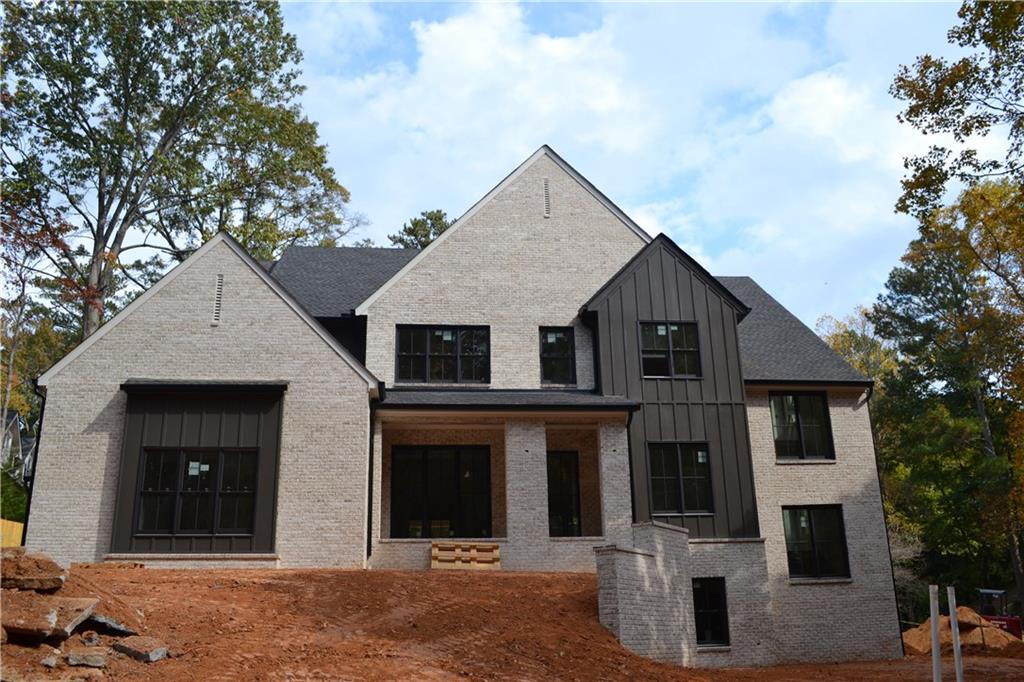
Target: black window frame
[[670, 352], [459, 356], [722, 612], [571, 357], [574, 504], [680, 480], [830, 455], [424, 493], [817, 573], [217, 493]]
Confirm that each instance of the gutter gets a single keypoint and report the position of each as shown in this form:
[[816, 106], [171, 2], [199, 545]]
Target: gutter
[[35, 458]]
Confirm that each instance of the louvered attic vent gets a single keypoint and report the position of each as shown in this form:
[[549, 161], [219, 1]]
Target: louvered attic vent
[[218, 300], [547, 199]]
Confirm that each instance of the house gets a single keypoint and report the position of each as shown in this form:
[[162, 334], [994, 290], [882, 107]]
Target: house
[[544, 376]]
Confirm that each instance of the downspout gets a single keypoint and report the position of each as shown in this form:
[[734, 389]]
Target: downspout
[[35, 458]]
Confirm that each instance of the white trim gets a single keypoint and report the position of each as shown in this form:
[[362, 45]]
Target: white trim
[[363, 308], [219, 238]]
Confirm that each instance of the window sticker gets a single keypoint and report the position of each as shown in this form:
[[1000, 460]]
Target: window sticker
[[702, 457], [204, 467], [193, 468], [662, 330]]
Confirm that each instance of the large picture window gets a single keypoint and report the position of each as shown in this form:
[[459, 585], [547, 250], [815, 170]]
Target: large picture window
[[440, 492], [816, 542], [669, 349], [192, 492], [710, 612], [800, 426], [443, 354], [680, 477], [557, 355], [564, 494]]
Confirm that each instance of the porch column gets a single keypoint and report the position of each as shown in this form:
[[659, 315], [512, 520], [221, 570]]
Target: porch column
[[526, 494], [616, 504]]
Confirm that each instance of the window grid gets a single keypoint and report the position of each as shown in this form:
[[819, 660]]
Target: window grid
[[805, 528], [791, 423], [190, 487], [669, 350], [444, 354], [710, 612], [557, 355], [680, 479]]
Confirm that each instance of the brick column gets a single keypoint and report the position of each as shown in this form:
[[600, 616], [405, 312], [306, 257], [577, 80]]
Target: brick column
[[616, 505], [526, 492]]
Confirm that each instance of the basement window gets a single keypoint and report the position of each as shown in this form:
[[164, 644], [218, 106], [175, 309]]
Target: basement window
[[669, 349], [710, 612], [557, 355], [443, 354], [680, 479], [564, 494], [800, 426], [816, 541]]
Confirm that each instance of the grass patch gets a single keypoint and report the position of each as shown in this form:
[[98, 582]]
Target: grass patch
[[12, 499]]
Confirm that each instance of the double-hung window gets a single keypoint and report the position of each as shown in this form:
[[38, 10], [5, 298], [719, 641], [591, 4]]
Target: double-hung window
[[197, 492], [443, 354], [816, 541], [557, 355], [669, 349], [800, 426], [680, 476]]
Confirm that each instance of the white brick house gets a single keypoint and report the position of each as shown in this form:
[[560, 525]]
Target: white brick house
[[544, 377]]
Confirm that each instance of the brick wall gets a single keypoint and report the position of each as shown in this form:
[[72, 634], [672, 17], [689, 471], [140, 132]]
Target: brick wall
[[322, 473], [510, 268], [827, 620]]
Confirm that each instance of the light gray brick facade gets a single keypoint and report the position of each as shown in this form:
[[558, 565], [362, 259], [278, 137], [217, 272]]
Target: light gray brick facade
[[324, 432]]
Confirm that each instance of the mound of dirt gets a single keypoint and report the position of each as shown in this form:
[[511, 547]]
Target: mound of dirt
[[977, 636], [112, 613]]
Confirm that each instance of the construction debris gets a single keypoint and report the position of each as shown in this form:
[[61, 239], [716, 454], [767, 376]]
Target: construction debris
[[88, 656], [28, 614], [148, 649], [90, 638], [977, 636], [21, 571]]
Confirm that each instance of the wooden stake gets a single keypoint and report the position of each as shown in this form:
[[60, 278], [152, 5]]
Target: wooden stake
[[958, 661], [933, 599]]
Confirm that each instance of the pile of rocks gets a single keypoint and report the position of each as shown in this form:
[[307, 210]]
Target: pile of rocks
[[70, 620]]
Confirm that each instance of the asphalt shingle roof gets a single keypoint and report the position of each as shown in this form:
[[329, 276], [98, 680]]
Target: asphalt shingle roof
[[776, 346], [482, 399], [332, 282]]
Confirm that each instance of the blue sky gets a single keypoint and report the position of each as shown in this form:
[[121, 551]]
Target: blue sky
[[761, 137]]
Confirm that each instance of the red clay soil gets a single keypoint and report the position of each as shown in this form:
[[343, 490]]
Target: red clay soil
[[977, 636], [381, 625]]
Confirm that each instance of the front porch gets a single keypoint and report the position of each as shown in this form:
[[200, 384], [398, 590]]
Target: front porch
[[546, 486]]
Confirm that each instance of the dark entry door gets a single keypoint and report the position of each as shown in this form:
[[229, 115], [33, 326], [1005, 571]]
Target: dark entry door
[[440, 491]]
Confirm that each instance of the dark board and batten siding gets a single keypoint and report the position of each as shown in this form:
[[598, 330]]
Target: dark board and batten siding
[[659, 285], [202, 418]]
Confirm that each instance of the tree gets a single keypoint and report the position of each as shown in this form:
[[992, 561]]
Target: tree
[[132, 132], [978, 94], [422, 230]]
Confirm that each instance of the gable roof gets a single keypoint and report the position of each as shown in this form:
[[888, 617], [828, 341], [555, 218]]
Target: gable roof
[[662, 241], [220, 238], [332, 282], [775, 346], [544, 151]]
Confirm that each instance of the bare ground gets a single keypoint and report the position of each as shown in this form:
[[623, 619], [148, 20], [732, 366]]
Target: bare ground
[[377, 625]]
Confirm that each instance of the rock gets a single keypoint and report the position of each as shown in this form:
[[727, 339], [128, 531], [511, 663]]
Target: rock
[[90, 657], [3, 636], [148, 649], [49, 662], [28, 614], [90, 638], [23, 571], [112, 624], [71, 613]]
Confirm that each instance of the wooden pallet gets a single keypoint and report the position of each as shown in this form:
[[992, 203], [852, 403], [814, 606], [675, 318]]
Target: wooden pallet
[[466, 555]]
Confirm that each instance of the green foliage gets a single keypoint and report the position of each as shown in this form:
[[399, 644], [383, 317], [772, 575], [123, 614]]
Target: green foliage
[[166, 121], [978, 94], [422, 230], [12, 499]]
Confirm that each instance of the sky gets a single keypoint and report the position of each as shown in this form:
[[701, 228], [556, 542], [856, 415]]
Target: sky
[[760, 137]]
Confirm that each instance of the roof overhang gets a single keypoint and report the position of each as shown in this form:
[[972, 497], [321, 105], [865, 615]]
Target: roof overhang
[[161, 387]]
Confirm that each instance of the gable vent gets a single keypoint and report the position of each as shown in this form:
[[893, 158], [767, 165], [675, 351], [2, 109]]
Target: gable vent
[[547, 199], [218, 300]]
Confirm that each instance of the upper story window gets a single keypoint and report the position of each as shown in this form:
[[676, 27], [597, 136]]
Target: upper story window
[[816, 541], [557, 355], [680, 479], [669, 349], [443, 354], [801, 426]]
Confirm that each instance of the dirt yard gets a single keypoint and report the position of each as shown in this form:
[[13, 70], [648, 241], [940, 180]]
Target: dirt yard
[[381, 625]]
